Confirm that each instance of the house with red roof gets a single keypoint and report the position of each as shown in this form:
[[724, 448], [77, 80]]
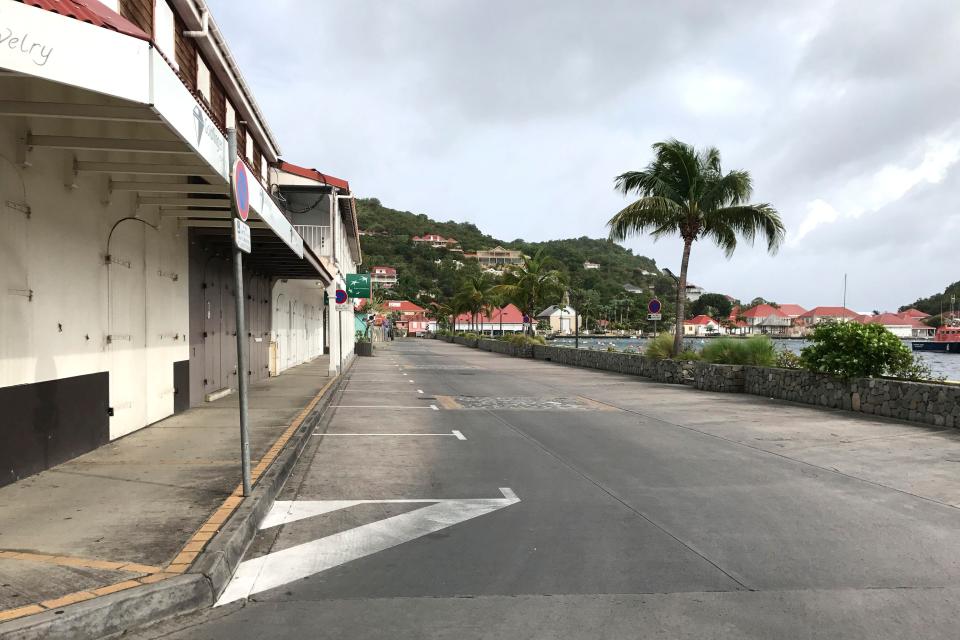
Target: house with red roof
[[700, 326], [435, 240], [385, 277], [817, 315], [914, 313], [903, 325], [509, 319]]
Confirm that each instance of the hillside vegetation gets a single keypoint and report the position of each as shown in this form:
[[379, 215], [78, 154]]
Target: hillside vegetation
[[937, 303], [422, 278]]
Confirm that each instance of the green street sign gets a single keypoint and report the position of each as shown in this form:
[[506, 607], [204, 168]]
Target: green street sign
[[358, 285]]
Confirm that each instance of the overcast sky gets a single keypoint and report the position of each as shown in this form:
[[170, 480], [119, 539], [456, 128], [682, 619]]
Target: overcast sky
[[516, 116]]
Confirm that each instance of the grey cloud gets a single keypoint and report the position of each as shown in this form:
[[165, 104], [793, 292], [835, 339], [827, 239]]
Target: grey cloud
[[517, 115]]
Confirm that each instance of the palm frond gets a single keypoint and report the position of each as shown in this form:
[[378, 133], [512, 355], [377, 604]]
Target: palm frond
[[749, 221], [646, 213]]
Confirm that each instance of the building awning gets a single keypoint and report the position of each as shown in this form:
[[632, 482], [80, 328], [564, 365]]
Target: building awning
[[90, 88]]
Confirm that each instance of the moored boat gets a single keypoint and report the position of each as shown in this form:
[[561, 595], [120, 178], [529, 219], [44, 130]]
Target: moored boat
[[947, 339]]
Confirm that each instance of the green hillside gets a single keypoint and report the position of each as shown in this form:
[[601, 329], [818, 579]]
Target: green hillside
[[387, 242], [938, 302]]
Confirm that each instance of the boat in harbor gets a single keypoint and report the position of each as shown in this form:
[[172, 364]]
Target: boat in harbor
[[947, 340]]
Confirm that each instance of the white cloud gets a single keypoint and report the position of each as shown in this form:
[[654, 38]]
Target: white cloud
[[516, 116]]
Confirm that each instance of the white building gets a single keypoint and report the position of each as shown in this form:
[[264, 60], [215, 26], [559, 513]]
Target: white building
[[590, 265], [118, 297], [385, 277], [560, 318]]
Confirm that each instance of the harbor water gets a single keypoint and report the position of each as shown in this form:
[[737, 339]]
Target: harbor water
[[941, 364]]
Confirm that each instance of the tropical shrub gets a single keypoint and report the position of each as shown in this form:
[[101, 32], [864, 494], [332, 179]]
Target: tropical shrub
[[469, 335], [854, 350], [757, 351], [660, 348], [787, 359], [688, 354], [521, 340]]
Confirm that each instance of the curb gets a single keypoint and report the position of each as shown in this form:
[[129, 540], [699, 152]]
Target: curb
[[200, 586]]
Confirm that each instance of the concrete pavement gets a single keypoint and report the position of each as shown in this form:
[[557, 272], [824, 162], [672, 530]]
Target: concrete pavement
[[642, 510], [138, 511]]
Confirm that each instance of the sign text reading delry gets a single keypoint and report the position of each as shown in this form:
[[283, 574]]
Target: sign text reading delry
[[37, 52]]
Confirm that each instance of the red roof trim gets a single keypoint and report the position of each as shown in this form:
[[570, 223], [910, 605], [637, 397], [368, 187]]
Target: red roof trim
[[91, 12], [313, 174]]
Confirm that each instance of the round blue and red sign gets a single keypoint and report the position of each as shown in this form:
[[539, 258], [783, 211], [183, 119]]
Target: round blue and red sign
[[654, 306], [241, 190], [341, 296]]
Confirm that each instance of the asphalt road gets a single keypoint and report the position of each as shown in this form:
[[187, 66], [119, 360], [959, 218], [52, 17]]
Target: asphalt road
[[452, 493]]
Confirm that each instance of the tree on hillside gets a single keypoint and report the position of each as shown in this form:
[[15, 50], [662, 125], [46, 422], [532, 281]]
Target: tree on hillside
[[715, 305], [477, 296], [533, 284], [685, 192]]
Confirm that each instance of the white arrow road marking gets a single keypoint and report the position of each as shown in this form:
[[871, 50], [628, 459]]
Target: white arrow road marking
[[304, 560], [456, 434], [435, 407], [419, 390]]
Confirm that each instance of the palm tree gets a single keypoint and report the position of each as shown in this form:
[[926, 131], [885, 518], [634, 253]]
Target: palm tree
[[684, 191], [477, 295], [530, 284]]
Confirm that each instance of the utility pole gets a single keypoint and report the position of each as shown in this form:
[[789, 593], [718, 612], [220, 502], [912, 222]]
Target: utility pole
[[844, 291], [242, 380]]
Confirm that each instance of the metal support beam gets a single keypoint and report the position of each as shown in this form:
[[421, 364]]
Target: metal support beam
[[108, 144], [169, 187], [146, 169], [217, 224], [166, 201], [195, 213], [77, 111]]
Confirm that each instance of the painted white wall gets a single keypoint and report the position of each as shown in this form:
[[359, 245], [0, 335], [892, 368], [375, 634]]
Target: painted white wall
[[297, 322], [79, 300]]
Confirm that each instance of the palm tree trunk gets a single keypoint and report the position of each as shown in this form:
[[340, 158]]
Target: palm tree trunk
[[681, 298]]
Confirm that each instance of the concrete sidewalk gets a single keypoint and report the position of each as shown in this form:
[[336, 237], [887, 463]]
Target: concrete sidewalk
[[140, 510]]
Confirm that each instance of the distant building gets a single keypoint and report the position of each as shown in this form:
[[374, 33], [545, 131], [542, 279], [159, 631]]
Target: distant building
[[590, 265], [817, 315], [385, 277], [914, 313], [629, 288], [694, 292], [435, 241], [700, 326], [560, 318], [456, 264], [508, 319], [761, 319], [903, 325], [498, 256]]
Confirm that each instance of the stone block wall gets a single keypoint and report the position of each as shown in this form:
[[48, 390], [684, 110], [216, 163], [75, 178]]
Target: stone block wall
[[935, 404], [499, 346], [727, 378]]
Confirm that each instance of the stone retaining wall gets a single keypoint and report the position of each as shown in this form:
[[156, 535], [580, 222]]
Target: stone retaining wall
[[935, 404], [506, 348], [728, 378]]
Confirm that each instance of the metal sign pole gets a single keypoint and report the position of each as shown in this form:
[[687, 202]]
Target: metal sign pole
[[242, 380]]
